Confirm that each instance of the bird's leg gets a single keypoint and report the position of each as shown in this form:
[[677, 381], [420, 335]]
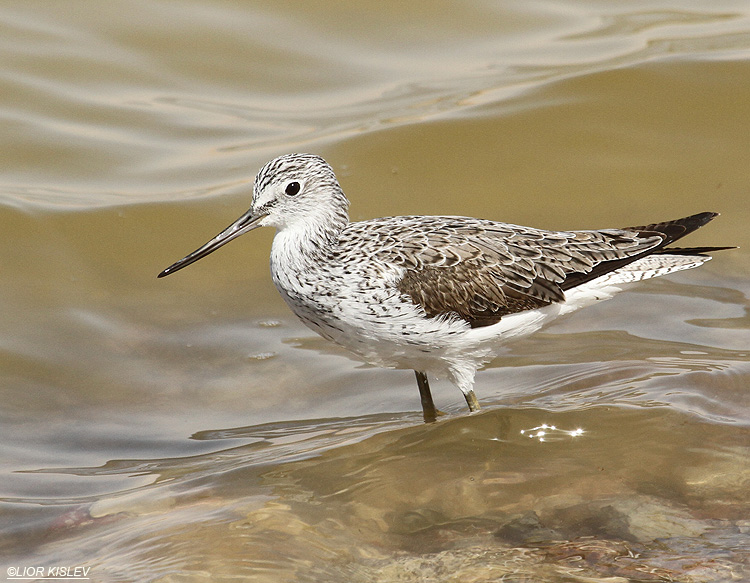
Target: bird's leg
[[471, 400], [462, 375], [428, 407]]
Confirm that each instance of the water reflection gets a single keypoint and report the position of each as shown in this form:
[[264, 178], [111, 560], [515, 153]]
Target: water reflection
[[546, 432], [350, 498]]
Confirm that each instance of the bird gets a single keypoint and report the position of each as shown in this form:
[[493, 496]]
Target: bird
[[438, 295]]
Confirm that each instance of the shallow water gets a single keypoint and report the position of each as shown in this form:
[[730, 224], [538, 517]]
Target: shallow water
[[191, 429]]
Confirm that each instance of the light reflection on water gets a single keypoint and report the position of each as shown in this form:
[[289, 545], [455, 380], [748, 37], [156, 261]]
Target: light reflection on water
[[354, 496], [193, 430]]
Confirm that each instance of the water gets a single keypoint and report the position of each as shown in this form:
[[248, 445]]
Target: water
[[191, 429]]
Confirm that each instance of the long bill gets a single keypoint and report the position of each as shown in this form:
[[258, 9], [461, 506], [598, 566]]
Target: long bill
[[245, 223]]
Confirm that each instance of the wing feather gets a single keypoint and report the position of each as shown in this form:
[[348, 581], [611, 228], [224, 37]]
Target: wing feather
[[481, 270]]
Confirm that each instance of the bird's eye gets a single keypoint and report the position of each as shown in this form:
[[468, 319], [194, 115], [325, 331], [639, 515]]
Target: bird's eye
[[292, 188]]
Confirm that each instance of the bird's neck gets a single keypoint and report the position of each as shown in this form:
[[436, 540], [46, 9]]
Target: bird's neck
[[308, 239]]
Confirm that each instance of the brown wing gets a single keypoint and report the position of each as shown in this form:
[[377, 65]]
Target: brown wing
[[482, 271]]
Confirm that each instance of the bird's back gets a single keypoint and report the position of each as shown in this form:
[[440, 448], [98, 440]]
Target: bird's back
[[481, 271]]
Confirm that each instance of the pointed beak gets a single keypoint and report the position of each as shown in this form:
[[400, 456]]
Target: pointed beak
[[245, 223]]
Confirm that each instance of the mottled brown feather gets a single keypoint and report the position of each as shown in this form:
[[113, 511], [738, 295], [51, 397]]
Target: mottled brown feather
[[481, 271]]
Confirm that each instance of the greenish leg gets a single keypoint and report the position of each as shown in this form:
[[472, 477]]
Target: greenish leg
[[471, 401], [428, 407]]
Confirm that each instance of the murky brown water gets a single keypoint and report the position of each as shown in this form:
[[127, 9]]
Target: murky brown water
[[190, 429]]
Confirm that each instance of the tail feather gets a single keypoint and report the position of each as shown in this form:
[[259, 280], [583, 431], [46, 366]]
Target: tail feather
[[651, 266], [670, 231], [692, 250], [674, 230]]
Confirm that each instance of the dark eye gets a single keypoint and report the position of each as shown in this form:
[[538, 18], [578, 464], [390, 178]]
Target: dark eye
[[292, 188]]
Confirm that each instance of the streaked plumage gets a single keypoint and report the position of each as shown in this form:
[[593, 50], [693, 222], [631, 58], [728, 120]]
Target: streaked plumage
[[438, 295]]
